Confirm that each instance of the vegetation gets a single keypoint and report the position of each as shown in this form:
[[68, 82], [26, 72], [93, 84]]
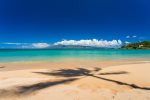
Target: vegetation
[[137, 45]]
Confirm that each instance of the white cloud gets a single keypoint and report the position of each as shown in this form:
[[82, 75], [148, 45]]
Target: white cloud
[[134, 36], [27, 45], [12, 43], [93, 43], [128, 36], [90, 42], [126, 42], [40, 45]]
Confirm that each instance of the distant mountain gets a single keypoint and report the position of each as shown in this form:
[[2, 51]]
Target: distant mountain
[[72, 47], [137, 45]]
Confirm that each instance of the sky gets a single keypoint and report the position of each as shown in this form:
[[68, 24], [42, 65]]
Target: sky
[[40, 23]]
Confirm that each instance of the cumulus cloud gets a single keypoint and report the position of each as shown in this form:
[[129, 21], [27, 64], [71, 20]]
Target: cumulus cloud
[[92, 43], [40, 45]]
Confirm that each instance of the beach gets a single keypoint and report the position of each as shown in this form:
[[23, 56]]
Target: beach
[[74, 49], [116, 82], [99, 74]]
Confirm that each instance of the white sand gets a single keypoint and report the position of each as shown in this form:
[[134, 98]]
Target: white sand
[[111, 83]]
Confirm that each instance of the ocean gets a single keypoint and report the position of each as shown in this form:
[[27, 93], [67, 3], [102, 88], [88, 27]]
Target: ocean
[[16, 55]]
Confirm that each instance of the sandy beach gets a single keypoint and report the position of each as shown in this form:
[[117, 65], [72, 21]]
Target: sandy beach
[[74, 49], [117, 82]]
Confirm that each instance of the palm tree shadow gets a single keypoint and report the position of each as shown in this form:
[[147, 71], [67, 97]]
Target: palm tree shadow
[[123, 83], [114, 73], [38, 86], [26, 90], [86, 72], [72, 74], [2, 66]]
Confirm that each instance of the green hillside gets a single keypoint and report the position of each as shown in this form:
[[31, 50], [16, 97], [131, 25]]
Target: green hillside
[[137, 45]]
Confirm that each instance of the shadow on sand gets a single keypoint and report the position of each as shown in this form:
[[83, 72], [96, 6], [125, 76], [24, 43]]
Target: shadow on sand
[[86, 72], [114, 73], [27, 90], [2, 66], [32, 88], [71, 74]]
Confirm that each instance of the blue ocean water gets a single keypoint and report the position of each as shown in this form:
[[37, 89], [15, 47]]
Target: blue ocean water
[[47, 55]]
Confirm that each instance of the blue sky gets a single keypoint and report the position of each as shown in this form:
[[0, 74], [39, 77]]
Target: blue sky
[[49, 21]]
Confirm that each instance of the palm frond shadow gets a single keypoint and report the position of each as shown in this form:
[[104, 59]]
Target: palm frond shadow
[[86, 72], [26, 90], [2, 66], [71, 75], [32, 88], [123, 83], [114, 73], [70, 72]]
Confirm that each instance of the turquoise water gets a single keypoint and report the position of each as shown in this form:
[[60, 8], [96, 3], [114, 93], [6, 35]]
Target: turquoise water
[[47, 55]]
